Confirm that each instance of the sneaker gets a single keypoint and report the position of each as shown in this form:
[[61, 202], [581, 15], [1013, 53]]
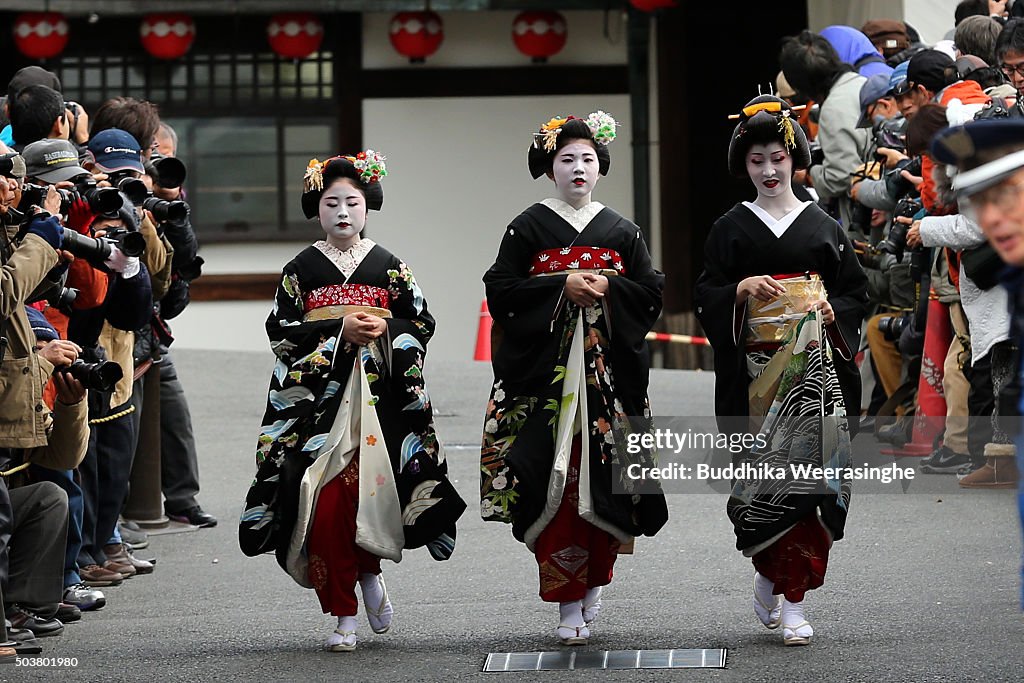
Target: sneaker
[[194, 516], [85, 598], [41, 627], [944, 461]]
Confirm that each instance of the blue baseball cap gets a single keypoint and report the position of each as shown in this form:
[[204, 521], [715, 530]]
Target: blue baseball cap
[[898, 76], [116, 150], [872, 90]]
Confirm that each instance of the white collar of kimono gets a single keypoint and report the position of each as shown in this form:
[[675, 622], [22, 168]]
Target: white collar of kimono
[[578, 219], [348, 260], [778, 227]]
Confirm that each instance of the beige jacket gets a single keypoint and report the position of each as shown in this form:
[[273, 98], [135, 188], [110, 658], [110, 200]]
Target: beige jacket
[[24, 418]]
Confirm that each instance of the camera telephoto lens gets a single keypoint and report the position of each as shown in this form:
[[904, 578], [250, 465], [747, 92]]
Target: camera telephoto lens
[[93, 250], [167, 172], [165, 211]]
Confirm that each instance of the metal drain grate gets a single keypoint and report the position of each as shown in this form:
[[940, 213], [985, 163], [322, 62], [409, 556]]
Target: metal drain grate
[[564, 660]]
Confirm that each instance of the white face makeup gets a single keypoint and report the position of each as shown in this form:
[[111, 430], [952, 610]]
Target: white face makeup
[[575, 171], [770, 168], [342, 213]]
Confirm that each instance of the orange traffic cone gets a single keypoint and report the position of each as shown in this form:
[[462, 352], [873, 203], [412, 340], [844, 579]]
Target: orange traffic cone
[[483, 334], [930, 416]]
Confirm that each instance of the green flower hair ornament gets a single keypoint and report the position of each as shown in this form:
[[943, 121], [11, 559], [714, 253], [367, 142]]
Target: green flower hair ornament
[[370, 165], [603, 127]]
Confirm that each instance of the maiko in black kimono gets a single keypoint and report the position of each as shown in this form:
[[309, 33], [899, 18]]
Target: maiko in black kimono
[[556, 361], [322, 386]]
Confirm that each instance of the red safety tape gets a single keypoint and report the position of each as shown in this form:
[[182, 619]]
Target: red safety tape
[[677, 338]]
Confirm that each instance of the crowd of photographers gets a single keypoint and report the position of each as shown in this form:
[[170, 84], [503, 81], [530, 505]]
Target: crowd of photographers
[[879, 95], [98, 251]]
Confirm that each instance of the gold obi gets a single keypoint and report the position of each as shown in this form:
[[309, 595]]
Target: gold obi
[[768, 322], [337, 312]]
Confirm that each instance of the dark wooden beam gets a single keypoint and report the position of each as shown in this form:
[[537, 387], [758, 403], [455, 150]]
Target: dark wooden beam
[[348, 80], [638, 45], [235, 287], [496, 82]]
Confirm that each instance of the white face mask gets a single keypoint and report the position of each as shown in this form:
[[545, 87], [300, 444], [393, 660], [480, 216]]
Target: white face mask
[[575, 171], [770, 168], [342, 213]]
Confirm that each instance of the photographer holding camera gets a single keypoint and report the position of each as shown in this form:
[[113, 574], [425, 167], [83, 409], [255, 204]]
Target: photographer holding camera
[[992, 354], [35, 514], [117, 152]]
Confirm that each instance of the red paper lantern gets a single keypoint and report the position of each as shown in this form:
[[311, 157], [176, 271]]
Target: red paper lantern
[[167, 36], [417, 35], [40, 35], [539, 34], [652, 5], [295, 35]]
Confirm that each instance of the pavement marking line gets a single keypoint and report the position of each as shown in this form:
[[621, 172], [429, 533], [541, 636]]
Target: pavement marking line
[[608, 660]]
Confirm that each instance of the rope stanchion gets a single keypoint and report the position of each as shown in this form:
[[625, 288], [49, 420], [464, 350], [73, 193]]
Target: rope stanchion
[[677, 338]]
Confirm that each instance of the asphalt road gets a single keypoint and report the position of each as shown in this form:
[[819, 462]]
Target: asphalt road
[[926, 587]]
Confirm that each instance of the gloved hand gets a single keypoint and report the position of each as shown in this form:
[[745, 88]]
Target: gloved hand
[[127, 266], [80, 216], [49, 228]]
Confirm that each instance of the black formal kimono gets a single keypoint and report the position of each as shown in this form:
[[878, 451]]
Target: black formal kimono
[[565, 375], [819, 380], [330, 399], [739, 246]]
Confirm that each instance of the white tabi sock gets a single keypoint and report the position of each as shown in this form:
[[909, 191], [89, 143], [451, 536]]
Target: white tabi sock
[[347, 623], [764, 589], [571, 613], [592, 604]]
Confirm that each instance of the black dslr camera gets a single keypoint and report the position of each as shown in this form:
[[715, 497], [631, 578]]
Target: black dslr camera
[[896, 185], [100, 376], [99, 199], [895, 242]]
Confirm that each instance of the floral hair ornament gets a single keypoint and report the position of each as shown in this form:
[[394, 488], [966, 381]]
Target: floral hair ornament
[[603, 127], [370, 165]]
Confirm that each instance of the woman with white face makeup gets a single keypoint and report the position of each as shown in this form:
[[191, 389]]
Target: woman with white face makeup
[[781, 299], [573, 294], [349, 467]]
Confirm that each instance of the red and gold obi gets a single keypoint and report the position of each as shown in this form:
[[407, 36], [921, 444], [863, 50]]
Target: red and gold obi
[[573, 259], [334, 302]]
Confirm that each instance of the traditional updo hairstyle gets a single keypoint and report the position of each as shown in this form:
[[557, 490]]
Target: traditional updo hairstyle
[[541, 155], [766, 119], [365, 170]]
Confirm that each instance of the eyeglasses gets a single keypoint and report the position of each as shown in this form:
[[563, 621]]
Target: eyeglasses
[[1003, 197], [1010, 69]]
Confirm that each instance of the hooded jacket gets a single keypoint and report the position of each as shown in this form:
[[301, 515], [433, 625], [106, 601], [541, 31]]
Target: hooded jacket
[[856, 49]]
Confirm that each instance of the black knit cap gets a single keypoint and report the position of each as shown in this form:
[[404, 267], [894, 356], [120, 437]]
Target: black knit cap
[[541, 160], [330, 170], [764, 119]]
